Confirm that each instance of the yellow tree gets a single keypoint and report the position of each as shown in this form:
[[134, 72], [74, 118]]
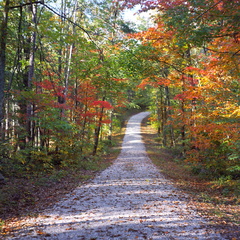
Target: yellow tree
[[195, 46]]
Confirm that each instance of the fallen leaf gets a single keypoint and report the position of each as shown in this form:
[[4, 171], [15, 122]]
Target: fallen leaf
[[39, 232], [70, 228], [150, 226]]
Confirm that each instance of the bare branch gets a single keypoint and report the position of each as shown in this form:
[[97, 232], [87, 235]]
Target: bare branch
[[27, 4], [77, 25], [236, 53], [63, 17], [212, 50], [214, 5]]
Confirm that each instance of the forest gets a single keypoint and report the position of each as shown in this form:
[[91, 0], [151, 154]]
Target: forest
[[71, 70]]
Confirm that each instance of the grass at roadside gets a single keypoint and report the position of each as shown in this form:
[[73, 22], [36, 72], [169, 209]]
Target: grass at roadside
[[209, 199]]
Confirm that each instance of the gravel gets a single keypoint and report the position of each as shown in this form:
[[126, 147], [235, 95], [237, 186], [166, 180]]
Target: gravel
[[129, 200]]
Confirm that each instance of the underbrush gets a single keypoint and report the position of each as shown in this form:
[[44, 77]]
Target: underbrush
[[28, 192]]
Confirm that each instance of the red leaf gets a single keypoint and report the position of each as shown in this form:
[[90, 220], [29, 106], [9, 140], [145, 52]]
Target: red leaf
[[102, 104]]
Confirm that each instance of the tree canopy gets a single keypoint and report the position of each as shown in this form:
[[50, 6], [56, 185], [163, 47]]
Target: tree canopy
[[69, 68]]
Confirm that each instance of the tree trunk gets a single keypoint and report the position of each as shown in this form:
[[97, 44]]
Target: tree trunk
[[97, 131], [183, 128], [30, 123], [26, 107], [110, 127], [168, 104], [3, 40]]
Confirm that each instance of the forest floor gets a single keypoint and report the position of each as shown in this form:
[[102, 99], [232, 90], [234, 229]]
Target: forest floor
[[22, 197], [221, 210], [26, 197]]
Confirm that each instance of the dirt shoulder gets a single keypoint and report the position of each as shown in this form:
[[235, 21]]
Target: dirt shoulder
[[222, 210]]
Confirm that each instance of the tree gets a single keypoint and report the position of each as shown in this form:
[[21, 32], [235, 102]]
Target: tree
[[3, 42], [198, 43], [62, 84]]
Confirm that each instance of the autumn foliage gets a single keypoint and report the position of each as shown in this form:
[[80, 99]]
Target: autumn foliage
[[66, 76], [62, 88], [194, 50]]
